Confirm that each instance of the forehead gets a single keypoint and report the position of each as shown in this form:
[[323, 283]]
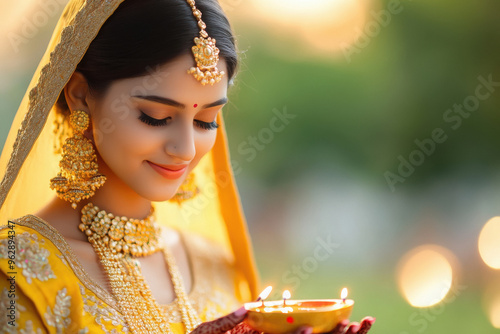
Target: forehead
[[173, 81]]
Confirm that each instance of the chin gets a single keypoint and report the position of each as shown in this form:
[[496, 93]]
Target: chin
[[159, 197]]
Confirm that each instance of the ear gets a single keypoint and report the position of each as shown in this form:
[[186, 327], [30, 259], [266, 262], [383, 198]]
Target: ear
[[78, 97], [77, 92]]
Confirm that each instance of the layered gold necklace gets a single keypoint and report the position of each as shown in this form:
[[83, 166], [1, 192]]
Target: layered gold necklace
[[118, 241]]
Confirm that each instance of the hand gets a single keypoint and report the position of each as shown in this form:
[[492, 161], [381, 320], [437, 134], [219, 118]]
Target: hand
[[223, 324], [344, 328], [233, 323]]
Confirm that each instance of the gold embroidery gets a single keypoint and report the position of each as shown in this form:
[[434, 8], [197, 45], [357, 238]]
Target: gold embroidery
[[217, 305], [60, 256], [5, 299], [213, 276], [30, 257], [28, 329], [211, 273], [59, 317], [60, 243], [101, 312]]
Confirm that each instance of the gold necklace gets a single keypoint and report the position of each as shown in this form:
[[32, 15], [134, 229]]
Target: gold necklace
[[117, 240]]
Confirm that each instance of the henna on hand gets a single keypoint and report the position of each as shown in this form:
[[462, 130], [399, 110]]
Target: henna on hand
[[340, 328], [222, 325], [243, 328], [303, 330], [366, 324], [353, 328]]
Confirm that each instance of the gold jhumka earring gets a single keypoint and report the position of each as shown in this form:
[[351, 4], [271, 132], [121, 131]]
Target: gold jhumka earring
[[79, 176], [205, 53], [187, 190]]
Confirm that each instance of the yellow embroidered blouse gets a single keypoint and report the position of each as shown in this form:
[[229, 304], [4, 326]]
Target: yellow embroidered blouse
[[44, 289]]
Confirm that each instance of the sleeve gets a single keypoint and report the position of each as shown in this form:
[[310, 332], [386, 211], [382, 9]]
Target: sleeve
[[223, 287], [39, 290], [21, 315]]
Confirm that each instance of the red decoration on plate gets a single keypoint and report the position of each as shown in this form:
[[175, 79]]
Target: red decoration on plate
[[289, 320]]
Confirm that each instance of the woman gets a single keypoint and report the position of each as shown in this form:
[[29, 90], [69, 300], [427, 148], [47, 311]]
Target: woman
[[135, 89]]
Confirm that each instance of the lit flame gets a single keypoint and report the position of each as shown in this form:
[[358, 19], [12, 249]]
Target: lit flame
[[489, 243], [265, 293], [343, 294], [425, 275], [286, 294]]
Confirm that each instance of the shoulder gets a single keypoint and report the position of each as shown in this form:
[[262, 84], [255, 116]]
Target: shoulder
[[216, 279], [29, 253], [23, 248], [32, 267], [39, 255], [204, 249], [217, 262], [42, 278]]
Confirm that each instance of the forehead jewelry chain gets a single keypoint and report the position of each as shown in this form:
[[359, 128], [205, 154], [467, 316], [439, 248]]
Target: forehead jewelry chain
[[118, 241], [205, 53]]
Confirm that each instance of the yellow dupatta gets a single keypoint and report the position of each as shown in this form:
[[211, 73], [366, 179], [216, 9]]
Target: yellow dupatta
[[28, 160]]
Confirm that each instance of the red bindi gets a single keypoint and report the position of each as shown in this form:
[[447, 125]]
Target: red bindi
[[195, 105]]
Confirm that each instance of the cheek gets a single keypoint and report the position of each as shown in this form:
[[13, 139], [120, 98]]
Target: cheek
[[123, 141], [204, 144]]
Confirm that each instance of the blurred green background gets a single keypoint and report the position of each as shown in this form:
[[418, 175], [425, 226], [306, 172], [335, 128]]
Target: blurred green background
[[330, 102]]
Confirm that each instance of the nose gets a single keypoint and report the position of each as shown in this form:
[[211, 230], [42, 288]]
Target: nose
[[180, 142]]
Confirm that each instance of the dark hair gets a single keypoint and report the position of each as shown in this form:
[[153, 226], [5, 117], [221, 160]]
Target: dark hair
[[142, 34]]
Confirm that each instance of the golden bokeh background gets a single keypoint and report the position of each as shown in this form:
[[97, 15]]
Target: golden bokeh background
[[365, 140]]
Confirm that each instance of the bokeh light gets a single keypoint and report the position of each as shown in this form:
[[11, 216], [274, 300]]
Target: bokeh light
[[14, 14], [326, 25], [296, 11], [494, 312], [355, 117], [425, 275], [489, 243], [491, 298], [14, 9]]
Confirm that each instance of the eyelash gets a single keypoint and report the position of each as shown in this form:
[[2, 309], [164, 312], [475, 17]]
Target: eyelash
[[206, 126], [161, 122]]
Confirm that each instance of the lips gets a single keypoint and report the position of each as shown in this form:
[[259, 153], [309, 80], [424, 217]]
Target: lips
[[169, 171]]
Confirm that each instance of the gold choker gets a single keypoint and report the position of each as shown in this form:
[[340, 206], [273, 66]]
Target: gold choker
[[117, 241], [136, 237]]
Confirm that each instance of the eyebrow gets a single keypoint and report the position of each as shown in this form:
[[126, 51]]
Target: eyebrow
[[170, 102]]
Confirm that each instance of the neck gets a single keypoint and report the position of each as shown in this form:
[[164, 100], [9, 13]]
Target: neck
[[114, 197], [117, 198]]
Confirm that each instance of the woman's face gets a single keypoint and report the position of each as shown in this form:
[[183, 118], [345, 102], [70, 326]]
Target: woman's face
[[151, 131]]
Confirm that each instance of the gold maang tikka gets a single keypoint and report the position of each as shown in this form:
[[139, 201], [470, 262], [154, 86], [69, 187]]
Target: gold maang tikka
[[205, 52], [79, 176]]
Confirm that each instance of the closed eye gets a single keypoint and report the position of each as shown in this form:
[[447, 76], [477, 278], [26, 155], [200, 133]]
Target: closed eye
[[153, 121], [161, 122], [206, 125]]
